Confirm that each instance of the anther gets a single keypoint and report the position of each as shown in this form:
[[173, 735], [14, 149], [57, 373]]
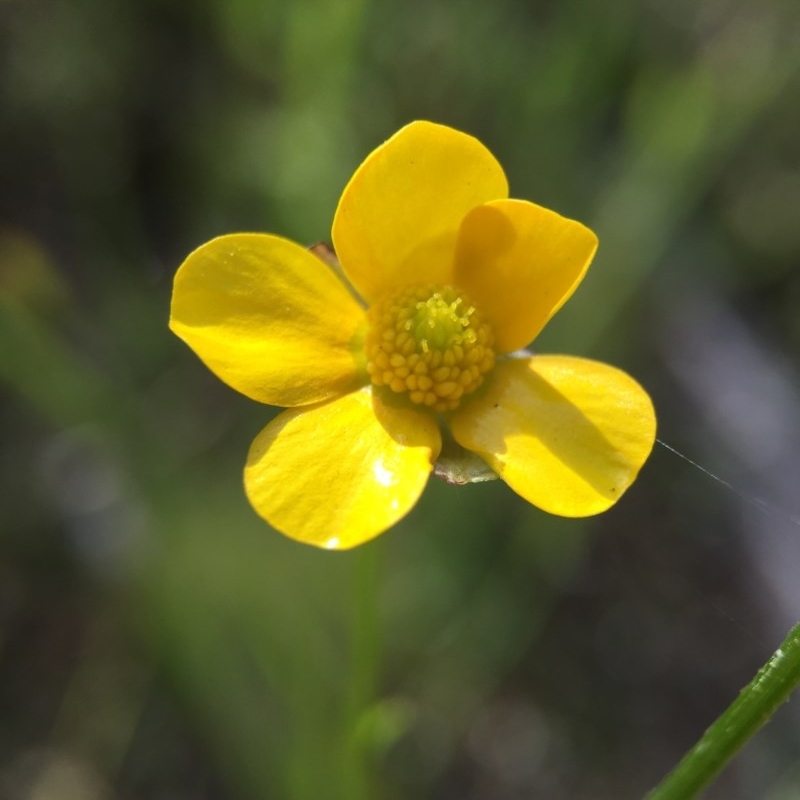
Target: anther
[[429, 343]]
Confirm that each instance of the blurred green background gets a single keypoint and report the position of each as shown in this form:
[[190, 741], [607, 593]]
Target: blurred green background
[[157, 640]]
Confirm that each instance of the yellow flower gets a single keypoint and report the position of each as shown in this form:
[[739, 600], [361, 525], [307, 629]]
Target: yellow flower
[[456, 278]]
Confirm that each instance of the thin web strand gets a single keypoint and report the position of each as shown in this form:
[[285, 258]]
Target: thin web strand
[[757, 502]]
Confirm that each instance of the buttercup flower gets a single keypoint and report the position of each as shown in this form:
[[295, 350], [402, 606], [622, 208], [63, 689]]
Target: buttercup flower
[[455, 280]]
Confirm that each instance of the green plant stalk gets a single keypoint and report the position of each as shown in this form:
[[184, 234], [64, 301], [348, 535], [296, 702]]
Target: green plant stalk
[[754, 706], [358, 778]]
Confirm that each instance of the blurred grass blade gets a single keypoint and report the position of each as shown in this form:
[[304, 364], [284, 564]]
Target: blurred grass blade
[[46, 372]]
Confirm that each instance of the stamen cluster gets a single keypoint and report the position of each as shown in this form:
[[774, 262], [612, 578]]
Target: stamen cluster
[[429, 342]]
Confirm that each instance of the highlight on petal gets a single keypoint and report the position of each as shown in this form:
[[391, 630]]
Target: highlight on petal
[[520, 263], [270, 319], [567, 434], [338, 474], [399, 215]]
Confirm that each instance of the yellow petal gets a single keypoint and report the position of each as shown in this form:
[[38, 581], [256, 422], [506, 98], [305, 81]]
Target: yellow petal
[[569, 435], [399, 215], [520, 263], [270, 319], [338, 474]]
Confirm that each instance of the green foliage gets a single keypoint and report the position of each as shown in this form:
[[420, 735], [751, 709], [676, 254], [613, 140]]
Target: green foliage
[[156, 638]]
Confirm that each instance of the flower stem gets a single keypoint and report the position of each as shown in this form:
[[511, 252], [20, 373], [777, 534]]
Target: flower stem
[[756, 703], [364, 672]]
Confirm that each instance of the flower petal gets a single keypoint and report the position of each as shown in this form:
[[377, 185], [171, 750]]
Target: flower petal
[[398, 217], [270, 319], [520, 263], [338, 474], [569, 435]]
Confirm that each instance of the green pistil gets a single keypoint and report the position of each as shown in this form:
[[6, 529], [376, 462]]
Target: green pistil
[[438, 324]]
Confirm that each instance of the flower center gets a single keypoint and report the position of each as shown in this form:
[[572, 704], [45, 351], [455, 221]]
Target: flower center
[[429, 342]]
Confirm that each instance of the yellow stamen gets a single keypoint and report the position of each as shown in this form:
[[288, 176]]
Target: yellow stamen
[[429, 342]]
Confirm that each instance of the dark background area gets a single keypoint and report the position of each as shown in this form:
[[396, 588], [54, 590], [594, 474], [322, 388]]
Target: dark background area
[[157, 640]]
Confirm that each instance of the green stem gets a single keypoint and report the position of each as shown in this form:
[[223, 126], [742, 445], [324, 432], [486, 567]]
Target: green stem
[[364, 672], [756, 703]]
